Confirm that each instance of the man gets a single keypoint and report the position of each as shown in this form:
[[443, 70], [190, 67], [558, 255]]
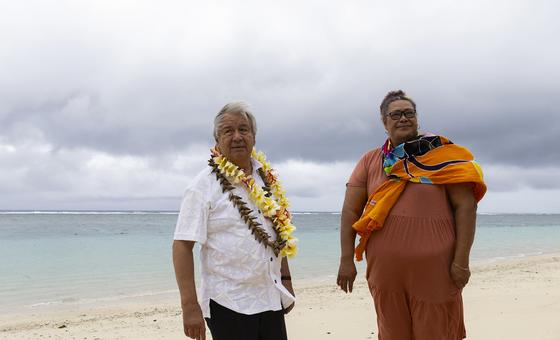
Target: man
[[243, 227]]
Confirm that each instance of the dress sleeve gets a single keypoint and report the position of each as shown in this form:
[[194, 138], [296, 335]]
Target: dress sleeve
[[359, 176], [193, 217]]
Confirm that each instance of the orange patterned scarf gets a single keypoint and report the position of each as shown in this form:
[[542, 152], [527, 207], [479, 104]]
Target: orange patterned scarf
[[428, 160]]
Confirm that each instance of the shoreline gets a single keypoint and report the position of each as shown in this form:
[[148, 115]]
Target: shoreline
[[166, 294], [515, 298]]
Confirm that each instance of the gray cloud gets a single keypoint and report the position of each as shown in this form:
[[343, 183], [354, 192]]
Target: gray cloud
[[133, 79]]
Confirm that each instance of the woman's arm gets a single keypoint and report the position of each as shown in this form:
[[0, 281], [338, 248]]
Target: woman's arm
[[354, 201], [464, 206]]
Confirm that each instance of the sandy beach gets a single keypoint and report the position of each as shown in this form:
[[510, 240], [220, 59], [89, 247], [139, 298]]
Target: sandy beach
[[510, 299]]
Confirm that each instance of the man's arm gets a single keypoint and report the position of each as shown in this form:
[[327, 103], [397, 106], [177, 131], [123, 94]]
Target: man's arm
[[193, 322], [464, 206], [354, 201], [285, 272]]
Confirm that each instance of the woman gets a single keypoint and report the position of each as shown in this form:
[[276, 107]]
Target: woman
[[416, 227]]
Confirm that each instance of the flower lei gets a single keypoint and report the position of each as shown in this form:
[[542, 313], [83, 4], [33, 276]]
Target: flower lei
[[271, 200]]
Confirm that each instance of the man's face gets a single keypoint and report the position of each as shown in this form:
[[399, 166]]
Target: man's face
[[235, 138]]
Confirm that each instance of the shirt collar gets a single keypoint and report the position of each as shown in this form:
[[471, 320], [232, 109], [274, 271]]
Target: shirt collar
[[256, 164]]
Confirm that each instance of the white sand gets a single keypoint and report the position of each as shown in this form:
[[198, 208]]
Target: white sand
[[514, 299]]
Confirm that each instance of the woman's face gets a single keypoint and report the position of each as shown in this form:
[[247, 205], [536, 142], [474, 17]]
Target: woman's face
[[403, 128]]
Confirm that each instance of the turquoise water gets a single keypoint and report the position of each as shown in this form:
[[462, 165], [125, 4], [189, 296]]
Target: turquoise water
[[54, 258]]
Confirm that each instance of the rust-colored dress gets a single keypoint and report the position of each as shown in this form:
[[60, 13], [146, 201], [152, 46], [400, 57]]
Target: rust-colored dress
[[408, 261]]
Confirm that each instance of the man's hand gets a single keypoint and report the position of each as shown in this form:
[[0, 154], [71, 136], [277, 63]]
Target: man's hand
[[288, 285], [460, 275], [193, 322], [346, 275]]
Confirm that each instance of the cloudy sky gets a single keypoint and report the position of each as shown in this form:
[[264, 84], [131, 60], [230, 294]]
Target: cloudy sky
[[109, 104]]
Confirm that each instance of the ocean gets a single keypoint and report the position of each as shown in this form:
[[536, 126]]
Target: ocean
[[57, 258]]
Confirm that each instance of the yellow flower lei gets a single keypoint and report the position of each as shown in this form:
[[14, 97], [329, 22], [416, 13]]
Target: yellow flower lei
[[275, 207]]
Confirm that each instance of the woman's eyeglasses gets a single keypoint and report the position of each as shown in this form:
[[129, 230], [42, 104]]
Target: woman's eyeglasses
[[396, 115]]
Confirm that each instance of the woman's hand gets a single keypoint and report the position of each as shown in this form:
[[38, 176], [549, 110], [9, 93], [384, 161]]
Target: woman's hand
[[346, 275], [460, 275], [354, 201], [463, 205]]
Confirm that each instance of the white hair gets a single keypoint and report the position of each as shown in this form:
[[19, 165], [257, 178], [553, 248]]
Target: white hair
[[240, 108]]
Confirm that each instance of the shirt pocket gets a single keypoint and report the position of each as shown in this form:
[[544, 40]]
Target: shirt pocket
[[228, 225]]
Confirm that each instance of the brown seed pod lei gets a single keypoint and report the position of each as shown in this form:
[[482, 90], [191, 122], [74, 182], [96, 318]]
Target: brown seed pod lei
[[255, 227]]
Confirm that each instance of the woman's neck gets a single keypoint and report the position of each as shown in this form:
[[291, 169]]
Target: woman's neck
[[398, 141]]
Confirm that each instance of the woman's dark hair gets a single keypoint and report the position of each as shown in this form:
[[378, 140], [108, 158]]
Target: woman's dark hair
[[393, 96]]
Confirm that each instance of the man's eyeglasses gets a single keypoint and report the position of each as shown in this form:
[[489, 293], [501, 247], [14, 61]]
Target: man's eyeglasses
[[396, 115]]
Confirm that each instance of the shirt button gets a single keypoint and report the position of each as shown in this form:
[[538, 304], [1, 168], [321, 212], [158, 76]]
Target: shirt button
[[271, 259], [274, 281], [259, 211]]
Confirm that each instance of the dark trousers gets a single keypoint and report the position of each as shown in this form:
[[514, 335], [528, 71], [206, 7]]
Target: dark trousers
[[226, 324]]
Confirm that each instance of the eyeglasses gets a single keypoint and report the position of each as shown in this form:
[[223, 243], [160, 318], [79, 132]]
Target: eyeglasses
[[396, 115]]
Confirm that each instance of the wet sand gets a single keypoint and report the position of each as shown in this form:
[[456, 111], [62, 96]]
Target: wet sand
[[511, 299]]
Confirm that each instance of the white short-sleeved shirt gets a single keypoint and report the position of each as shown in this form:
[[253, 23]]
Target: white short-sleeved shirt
[[236, 270]]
